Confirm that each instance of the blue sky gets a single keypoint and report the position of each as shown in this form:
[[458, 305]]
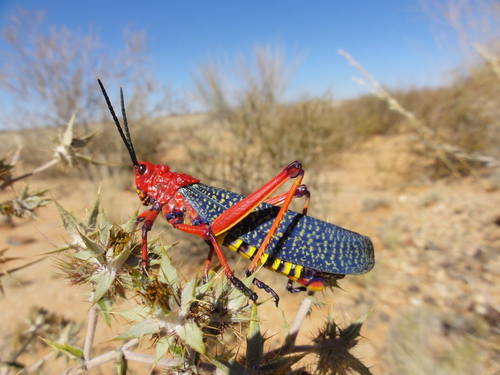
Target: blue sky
[[392, 39]]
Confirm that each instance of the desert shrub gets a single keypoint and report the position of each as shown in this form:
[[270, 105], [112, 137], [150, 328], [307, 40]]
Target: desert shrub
[[256, 132], [365, 117]]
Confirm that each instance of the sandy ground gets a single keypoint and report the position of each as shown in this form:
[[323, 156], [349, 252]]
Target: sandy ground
[[434, 284]]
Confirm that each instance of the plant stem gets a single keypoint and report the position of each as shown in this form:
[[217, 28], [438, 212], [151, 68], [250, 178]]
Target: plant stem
[[304, 309], [91, 328], [289, 345]]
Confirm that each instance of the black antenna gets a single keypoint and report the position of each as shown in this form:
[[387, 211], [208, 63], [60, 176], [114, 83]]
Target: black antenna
[[127, 140]]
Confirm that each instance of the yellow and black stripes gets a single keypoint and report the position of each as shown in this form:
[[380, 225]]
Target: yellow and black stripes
[[293, 271]]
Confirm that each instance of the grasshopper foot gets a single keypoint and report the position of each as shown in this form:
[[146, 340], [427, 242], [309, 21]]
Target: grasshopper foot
[[268, 289], [243, 288], [289, 288]]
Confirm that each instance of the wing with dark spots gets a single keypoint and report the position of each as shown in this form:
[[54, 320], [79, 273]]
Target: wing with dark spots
[[299, 239]]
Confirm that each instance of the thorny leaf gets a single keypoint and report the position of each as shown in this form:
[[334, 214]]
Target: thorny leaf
[[223, 313], [191, 334], [24, 204], [94, 247], [91, 219], [289, 341], [70, 222], [6, 167], [105, 307], [5, 170], [120, 248], [351, 333], [255, 341], [136, 313], [100, 263], [333, 345], [66, 152], [281, 365], [229, 367], [188, 296], [162, 346], [71, 351], [140, 329], [256, 362], [67, 137], [130, 224], [168, 272], [88, 159], [66, 147], [82, 142], [102, 282], [104, 227], [51, 326]]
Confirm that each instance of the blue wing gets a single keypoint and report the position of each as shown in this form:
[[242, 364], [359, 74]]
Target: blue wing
[[299, 239]]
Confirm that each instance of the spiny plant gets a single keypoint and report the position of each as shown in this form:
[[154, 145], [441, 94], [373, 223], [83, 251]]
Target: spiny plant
[[189, 321], [66, 152]]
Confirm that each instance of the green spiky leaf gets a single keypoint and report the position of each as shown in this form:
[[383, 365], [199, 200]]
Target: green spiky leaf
[[94, 247], [229, 367], [280, 365], [103, 282], [105, 307], [5, 170], [70, 222], [168, 272], [88, 159], [83, 141], [136, 313], [104, 227], [91, 219], [140, 329], [255, 341], [351, 332], [24, 204], [130, 224], [162, 346], [188, 296], [62, 248], [191, 334], [121, 257], [67, 137], [86, 255], [71, 351]]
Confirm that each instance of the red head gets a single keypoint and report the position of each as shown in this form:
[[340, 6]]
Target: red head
[[151, 180]]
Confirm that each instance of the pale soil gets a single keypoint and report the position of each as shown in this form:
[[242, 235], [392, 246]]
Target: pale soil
[[437, 262]]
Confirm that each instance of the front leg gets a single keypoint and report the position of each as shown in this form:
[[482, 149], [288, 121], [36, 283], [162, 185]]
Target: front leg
[[147, 219]]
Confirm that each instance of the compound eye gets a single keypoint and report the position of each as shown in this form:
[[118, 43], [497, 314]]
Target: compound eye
[[142, 169]]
